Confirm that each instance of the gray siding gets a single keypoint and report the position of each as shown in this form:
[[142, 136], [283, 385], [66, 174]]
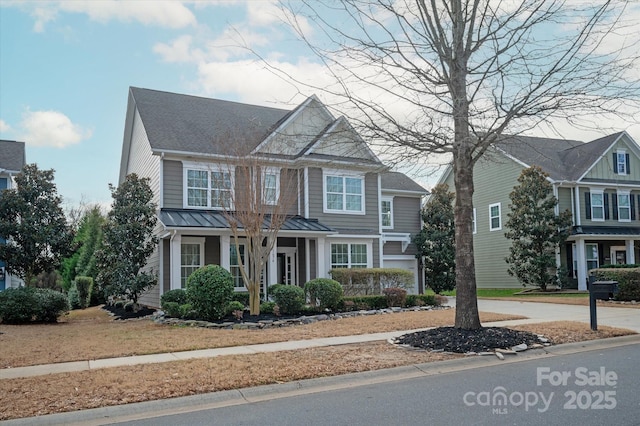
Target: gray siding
[[166, 264], [565, 199], [141, 160], [302, 267], [406, 215], [172, 187], [394, 248], [603, 169]]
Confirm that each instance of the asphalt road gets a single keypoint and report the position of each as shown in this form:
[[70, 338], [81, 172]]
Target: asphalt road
[[599, 387]]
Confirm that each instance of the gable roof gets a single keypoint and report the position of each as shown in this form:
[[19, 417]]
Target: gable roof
[[12, 156], [562, 159], [193, 124], [185, 124], [396, 181]]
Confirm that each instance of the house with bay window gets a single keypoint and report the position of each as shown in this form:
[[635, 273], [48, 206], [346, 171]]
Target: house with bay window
[[597, 181], [345, 209], [12, 160]]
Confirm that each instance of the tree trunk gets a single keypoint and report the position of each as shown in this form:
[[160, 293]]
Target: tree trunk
[[467, 316]]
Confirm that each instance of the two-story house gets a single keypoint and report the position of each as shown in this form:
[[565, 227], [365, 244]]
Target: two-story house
[[348, 209], [12, 160], [597, 181]]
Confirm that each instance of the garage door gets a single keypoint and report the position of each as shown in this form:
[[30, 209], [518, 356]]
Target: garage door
[[407, 264]]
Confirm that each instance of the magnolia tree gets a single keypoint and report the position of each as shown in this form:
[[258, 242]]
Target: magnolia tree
[[426, 77], [128, 240], [436, 240], [535, 230], [33, 225]]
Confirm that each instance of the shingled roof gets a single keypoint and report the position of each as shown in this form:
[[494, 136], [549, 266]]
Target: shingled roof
[[396, 181], [184, 123], [12, 156], [562, 159]]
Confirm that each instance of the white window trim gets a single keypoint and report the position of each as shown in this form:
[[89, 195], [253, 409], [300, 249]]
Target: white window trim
[[368, 242], [474, 224], [270, 171], [600, 192], [241, 242], [390, 200], [597, 258], [624, 162], [191, 240], [628, 194], [342, 174], [186, 166], [499, 227]]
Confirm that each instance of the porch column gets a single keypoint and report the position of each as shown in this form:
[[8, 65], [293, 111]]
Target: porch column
[[225, 255], [175, 273], [307, 260], [321, 262], [272, 259], [581, 258], [631, 254]]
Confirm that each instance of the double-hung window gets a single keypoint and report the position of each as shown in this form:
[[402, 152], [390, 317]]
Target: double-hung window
[[592, 255], [597, 205], [208, 187], [237, 254], [270, 185], [386, 212], [191, 257], [349, 255], [495, 218], [624, 207], [343, 193]]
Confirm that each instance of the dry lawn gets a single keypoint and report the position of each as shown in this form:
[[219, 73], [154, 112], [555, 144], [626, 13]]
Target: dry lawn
[[88, 389]]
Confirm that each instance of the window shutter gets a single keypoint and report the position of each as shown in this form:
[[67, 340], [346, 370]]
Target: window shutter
[[601, 254], [626, 159], [615, 162], [632, 204], [605, 196], [587, 204]]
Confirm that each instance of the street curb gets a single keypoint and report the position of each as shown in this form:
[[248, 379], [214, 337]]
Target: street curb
[[163, 407]]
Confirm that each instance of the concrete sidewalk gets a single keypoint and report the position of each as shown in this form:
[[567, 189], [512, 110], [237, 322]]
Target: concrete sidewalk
[[535, 313]]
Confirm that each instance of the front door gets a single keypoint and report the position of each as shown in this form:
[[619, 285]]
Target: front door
[[619, 255], [287, 266]]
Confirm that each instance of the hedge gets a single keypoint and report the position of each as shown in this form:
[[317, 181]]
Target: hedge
[[367, 281], [26, 304], [628, 281]]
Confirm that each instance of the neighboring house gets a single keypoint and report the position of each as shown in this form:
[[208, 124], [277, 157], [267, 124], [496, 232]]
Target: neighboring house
[[598, 182], [349, 210], [12, 160]]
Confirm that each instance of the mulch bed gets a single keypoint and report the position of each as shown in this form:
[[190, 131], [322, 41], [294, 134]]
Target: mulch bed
[[457, 340], [122, 314]]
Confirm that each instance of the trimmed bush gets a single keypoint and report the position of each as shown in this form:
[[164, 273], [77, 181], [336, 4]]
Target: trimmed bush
[[209, 290], [25, 304], [422, 300], [234, 305], [324, 293], [365, 303], [171, 309], [84, 285], [289, 298], [267, 307], [396, 297], [628, 281], [242, 297], [178, 296]]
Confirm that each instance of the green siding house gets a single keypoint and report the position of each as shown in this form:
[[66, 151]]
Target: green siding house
[[597, 181]]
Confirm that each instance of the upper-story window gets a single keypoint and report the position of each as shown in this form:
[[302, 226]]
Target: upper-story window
[[343, 193], [621, 162], [270, 185], [208, 187], [495, 218], [386, 212], [597, 205], [624, 207]]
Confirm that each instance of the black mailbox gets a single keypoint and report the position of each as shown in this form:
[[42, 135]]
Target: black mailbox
[[603, 290]]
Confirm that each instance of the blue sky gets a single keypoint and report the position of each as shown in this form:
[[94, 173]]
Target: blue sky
[[66, 66]]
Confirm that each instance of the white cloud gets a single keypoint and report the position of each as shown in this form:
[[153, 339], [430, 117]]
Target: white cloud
[[179, 50], [51, 128], [162, 13], [4, 126]]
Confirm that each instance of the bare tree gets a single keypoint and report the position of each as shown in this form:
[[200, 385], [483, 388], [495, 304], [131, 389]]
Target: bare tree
[[451, 77], [257, 198]]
